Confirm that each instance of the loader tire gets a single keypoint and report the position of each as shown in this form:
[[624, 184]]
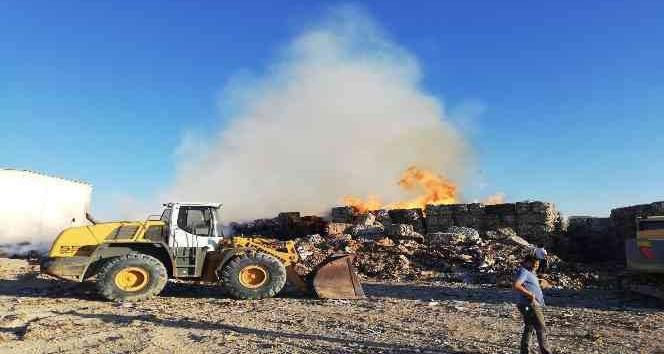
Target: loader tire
[[132, 277], [254, 276]]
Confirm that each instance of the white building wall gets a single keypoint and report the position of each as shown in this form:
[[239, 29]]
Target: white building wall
[[35, 207]]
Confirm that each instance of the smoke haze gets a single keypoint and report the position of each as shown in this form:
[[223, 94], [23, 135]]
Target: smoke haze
[[340, 112], [36, 207]]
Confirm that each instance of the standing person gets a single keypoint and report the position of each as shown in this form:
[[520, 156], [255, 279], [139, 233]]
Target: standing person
[[541, 254], [531, 301]]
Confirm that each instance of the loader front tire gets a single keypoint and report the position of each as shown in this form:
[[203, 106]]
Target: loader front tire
[[132, 277], [254, 276]]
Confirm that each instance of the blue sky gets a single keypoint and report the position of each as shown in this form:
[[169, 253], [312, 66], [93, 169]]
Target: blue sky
[[572, 92]]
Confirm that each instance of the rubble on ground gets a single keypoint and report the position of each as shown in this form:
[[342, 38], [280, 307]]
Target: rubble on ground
[[469, 243], [396, 252]]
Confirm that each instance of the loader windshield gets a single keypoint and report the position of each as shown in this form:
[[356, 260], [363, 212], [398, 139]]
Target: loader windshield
[[199, 221], [219, 228], [195, 220]]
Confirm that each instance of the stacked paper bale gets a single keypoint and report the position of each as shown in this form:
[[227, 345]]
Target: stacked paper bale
[[344, 214], [382, 216], [588, 239], [499, 216], [439, 217], [469, 215], [263, 227], [287, 225], [414, 217], [536, 221]]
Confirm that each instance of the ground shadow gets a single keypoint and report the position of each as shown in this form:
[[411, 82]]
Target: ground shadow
[[368, 345], [211, 290], [587, 298], [33, 285]]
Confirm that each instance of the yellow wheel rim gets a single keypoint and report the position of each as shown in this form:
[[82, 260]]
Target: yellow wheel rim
[[253, 276], [132, 279]]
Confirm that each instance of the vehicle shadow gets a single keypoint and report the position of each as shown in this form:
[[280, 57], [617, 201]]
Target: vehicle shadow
[[30, 285], [33, 284], [210, 290], [311, 341]]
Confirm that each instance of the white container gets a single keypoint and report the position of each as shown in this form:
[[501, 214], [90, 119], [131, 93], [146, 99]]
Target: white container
[[35, 207]]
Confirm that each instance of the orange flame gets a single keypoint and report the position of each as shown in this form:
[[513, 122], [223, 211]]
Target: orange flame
[[435, 189]]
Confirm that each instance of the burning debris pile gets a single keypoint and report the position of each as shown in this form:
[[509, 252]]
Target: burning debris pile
[[394, 245], [284, 226]]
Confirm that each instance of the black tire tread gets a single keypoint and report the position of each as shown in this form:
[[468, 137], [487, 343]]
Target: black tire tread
[[276, 282], [107, 289]]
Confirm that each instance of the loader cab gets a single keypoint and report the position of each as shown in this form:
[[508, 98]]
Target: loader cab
[[193, 225]]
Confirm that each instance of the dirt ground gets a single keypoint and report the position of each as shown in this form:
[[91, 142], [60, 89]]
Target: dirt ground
[[39, 314]]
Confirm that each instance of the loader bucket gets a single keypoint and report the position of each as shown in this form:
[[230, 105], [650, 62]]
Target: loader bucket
[[337, 279]]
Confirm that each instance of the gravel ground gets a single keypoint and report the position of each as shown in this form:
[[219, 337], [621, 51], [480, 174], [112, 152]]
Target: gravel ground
[[39, 314]]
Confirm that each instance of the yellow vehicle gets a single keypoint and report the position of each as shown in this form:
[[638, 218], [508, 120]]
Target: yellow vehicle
[[644, 256], [133, 260], [646, 252]]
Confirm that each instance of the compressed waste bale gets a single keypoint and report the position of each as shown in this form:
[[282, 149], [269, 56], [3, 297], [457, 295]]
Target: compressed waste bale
[[413, 217], [367, 231], [382, 216], [469, 234], [345, 214], [365, 219], [403, 232], [442, 239], [399, 230], [338, 228]]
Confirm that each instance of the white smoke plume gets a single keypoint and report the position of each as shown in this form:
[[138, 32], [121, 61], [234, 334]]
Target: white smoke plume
[[341, 111]]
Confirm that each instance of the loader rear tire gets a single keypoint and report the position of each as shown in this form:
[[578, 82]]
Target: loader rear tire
[[254, 276], [132, 277]]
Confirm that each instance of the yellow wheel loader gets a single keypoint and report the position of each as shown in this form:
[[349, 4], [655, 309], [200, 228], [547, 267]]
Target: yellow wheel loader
[[133, 260], [644, 256]]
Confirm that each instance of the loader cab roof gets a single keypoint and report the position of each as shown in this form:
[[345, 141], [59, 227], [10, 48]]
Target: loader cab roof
[[212, 205]]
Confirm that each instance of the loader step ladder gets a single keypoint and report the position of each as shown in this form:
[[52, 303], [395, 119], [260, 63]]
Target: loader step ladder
[[189, 261]]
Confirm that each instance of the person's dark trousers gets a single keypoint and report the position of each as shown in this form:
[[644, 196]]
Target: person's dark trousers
[[543, 266], [533, 319]]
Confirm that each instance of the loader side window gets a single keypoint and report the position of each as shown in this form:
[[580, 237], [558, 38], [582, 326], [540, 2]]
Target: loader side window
[[156, 233], [166, 215], [197, 221]]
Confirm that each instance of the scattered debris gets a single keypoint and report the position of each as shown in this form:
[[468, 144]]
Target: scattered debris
[[395, 253], [393, 244]]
